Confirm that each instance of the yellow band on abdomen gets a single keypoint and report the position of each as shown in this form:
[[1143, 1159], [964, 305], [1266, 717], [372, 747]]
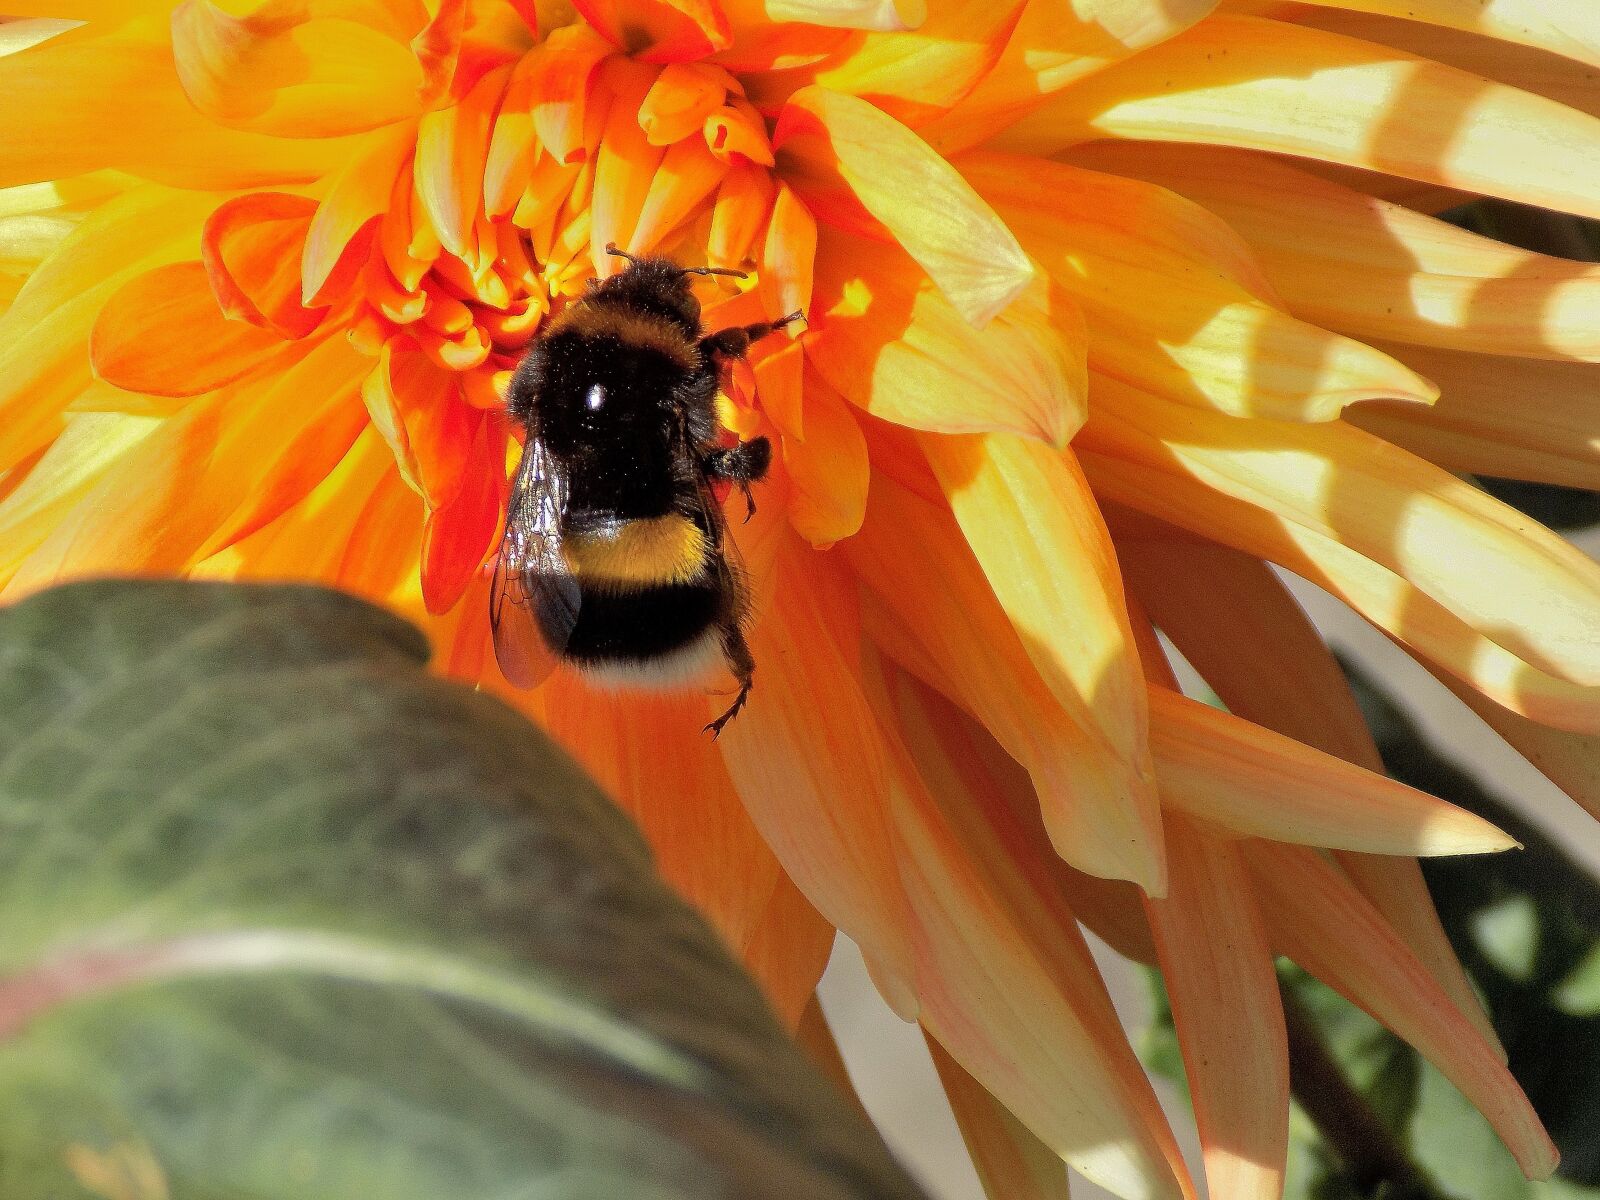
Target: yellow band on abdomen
[[652, 550]]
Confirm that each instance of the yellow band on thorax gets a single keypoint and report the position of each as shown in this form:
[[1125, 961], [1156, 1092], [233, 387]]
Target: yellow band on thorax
[[652, 550]]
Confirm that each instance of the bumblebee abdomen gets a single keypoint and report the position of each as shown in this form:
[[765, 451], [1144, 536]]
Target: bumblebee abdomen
[[642, 624], [638, 553]]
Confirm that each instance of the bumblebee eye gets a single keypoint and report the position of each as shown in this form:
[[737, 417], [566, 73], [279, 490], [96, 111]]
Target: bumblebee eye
[[596, 398]]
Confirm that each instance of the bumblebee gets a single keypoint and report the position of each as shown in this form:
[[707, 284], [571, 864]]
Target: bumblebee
[[615, 558]]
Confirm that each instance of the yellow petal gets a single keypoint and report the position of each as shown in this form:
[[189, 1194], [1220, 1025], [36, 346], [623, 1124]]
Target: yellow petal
[[1008, 987], [858, 167], [452, 144], [850, 14], [67, 112], [1513, 417], [356, 195], [1054, 44], [285, 69], [1228, 81], [1252, 781], [1501, 573], [818, 792], [1318, 919], [646, 751], [894, 346], [1095, 808], [1373, 269], [828, 469], [1027, 514], [1174, 302], [624, 167], [1218, 968], [1235, 622], [1566, 27], [1011, 1162]]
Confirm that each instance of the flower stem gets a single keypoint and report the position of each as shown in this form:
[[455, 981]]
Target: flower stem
[[1371, 1155]]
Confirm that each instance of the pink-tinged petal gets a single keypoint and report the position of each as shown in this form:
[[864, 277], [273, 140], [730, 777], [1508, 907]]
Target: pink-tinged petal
[[1566, 27], [644, 749], [357, 194], [67, 113], [162, 334], [1012, 1164], [1218, 968], [660, 31], [291, 69], [451, 146], [1247, 779], [1511, 417], [1318, 919], [1237, 75], [818, 792], [1374, 269], [958, 638], [1007, 984], [1170, 293], [1236, 623], [1054, 45], [828, 468], [1515, 582], [859, 164], [893, 345], [1028, 515]]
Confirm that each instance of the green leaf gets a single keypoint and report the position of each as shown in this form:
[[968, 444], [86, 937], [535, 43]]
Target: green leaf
[[287, 917]]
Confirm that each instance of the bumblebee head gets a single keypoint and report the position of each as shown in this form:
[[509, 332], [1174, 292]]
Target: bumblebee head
[[657, 285]]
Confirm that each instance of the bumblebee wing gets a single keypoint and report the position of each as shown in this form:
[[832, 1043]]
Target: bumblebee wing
[[533, 603]]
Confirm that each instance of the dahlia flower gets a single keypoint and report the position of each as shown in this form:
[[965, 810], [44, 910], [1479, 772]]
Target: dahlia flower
[[1110, 304]]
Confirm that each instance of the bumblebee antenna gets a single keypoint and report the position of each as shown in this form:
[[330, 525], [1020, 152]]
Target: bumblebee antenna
[[716, 271], [613, 249]]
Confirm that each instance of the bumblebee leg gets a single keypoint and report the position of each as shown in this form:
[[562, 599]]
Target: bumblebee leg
[[743, 665], [733, 342], [740, 465]]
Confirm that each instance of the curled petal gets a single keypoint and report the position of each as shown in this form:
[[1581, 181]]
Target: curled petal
[[562, 86], [286, 69], [743, 203], [1245, 778], [1239, 74], [357, 194], [1318, 919], [1375, 269], [660, 31], [681, 99], [859, 164], [251, 248], [1100, 814], [162, 334], [1169, 311], [894, 345], [467, 39]]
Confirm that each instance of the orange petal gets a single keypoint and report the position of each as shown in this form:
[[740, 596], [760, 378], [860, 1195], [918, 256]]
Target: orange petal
[[623, 171], [1027, 514], [828, 469], [356, 195], [646, 751], [788, 260], [1566, 27], [1218, 968], [659, 31], [460, 536], [252, 247], [1052, 46], [1011, 1162], [466, 40], [736, 133], [67, 113], [452, 144], [1094, 807], [513, 143], [859, 165], [681, 99], [1008, 987], [1375, 269], [819, 791], [1245, 778], [163, 334], [290, 70], [687, 176], [1318, 919], [1511, 417], [896, 347], [1169, 311], [1240, 73], [1518, 583], [560, 100], [743, 203]]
